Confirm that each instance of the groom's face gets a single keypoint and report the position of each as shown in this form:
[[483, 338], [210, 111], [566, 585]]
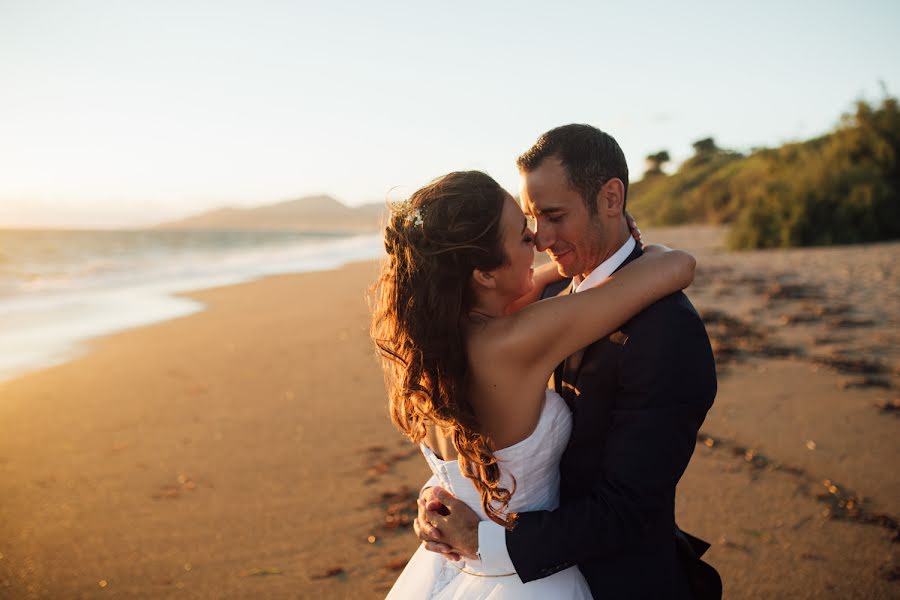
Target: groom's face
[[564, 227]]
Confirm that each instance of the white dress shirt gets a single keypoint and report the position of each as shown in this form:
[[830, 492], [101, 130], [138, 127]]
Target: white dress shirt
[[492, 536]]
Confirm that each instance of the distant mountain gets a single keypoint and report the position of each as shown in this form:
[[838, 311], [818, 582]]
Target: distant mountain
[[312, 213]]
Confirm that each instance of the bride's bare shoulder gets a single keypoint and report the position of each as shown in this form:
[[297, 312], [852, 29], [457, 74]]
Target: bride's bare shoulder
[[492, 338], [498, 352]]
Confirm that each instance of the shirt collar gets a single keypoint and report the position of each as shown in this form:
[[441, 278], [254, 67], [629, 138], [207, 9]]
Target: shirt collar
[[606, 268]]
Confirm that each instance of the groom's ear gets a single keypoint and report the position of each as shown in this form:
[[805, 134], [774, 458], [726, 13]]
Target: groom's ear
[[612, 198], [484, 279]]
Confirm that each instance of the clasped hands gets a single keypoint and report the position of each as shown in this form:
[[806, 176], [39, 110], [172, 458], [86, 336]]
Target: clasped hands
[[446, 525]]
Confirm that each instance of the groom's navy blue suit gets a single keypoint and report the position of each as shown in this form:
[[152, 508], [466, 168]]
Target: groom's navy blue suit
[[639, 397]]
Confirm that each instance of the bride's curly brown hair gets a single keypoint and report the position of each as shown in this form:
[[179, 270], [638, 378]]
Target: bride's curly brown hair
[[422, 300]]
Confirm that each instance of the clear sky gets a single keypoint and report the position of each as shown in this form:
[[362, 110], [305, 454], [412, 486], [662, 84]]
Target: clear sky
[[128, 112]]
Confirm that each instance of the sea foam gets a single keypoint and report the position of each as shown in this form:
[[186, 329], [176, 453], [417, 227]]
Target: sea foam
[[56, 294]]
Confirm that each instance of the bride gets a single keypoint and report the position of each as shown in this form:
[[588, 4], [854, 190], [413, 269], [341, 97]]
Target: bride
[[467, 353]]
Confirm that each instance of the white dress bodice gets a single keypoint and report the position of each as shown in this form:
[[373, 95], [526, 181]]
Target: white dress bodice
[[533, 463]]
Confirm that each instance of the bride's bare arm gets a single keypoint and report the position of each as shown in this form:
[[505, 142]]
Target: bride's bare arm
[[542, 335], [655, 249], [544, 275]]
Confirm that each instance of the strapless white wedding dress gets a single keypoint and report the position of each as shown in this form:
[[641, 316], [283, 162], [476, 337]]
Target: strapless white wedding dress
[[534, 462]]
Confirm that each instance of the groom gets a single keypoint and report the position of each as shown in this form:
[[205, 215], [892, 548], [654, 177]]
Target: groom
[[638, 396]]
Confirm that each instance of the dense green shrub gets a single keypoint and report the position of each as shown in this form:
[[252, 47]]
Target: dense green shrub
[[840, 188]]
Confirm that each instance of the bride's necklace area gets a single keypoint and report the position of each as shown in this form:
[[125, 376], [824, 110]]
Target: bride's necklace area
[[478, 316], [477, 313]]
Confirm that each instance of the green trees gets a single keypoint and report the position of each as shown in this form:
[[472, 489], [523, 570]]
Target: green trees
[[705, 147], [841, 188], [654, 163], [698, 192]]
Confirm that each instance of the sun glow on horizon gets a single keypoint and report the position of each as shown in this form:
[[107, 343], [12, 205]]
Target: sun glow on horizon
[[122, 114]]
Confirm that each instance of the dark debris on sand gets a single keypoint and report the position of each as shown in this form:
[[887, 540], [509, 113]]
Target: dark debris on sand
[[336, 571], [399, 508], [810, 312], [845, 506], [261, 572], [889, 407], [751, 456], [378, 462], [733, 339], [726, 282], [889, 571], [796, 291], [867, 381], [396, 564], [850, 322], [184, 485], [792, 301], [840, 503], [845, 363]]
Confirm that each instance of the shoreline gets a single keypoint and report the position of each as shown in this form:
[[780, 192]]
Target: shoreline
[[117, 309]]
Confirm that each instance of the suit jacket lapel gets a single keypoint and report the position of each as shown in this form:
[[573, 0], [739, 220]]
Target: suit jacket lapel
[[565, 377], [566, 373], [559, 371], [570, 369]]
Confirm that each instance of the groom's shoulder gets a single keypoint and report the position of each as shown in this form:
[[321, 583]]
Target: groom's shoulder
[[555, 288], [670, 312]]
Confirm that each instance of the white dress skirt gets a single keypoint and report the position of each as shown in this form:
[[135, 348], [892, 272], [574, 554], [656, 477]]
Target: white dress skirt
[[534, 462]]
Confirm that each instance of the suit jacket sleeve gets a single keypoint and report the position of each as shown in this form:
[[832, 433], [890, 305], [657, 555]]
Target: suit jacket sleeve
[[667, 383]]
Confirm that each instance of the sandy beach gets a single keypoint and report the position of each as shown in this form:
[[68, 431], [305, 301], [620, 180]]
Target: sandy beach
[[246, 452]]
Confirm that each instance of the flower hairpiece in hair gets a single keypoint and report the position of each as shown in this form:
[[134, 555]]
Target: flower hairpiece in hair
[[416, 217]]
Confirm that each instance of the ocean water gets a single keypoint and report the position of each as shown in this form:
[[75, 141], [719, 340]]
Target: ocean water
[[59, 288]]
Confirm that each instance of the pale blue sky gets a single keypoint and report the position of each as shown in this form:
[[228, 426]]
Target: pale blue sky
[[129, 112]]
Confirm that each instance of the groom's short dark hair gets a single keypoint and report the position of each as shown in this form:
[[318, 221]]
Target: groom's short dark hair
[[590, 157]]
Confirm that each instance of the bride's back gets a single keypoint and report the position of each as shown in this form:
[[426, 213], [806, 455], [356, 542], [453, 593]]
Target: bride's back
[[531, 465], [506, 397]]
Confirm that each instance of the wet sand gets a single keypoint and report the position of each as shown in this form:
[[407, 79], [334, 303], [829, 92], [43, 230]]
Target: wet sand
[[246, 451]]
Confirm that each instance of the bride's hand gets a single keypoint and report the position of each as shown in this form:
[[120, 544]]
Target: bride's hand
[[458, 527]]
